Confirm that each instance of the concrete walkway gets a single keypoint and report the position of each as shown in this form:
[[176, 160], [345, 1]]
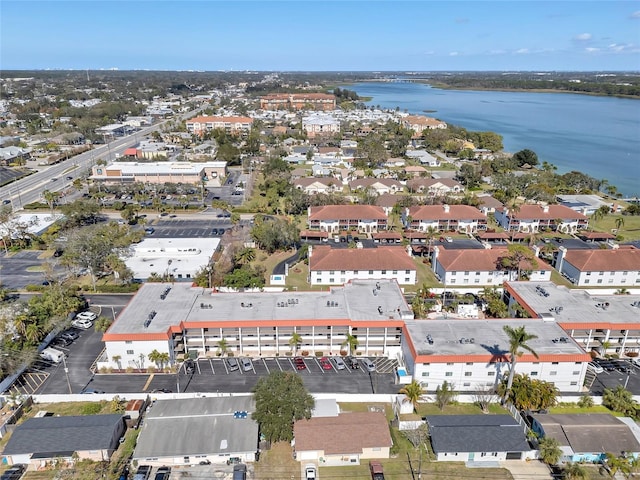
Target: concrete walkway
[[533, 469]]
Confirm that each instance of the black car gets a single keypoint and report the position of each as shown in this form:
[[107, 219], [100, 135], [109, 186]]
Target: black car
[[70, 334], [189, 366], [163, 473], [14, 473], [62, 342]]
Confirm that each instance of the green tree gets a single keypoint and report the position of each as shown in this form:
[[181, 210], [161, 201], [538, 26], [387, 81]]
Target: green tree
[[245, 277], [80, 212], [281, 399], [295, 341], [117, 359], [245, 256], [525, 156], [414, 392], [275, 234], [351, 342], [550, 451], [517, 258], [575, 471], [617, 464], [529, 394], [619, 223], [159, 358], [102, 324], [620, 400], [586, 401], [51, 198], [445, 394], [518, 338], [223, 346]]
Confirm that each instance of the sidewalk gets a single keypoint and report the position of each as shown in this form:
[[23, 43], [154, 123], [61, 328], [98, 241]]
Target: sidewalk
[[527, 470]]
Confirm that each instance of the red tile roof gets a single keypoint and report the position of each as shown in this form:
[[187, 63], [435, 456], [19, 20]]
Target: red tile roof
[[437, 212], [325, 258], [614, 260], [530, 212], [347, 212], [348, 433], [493, 235], [220, 119], [596, 235], [479, 260], [381, 235], [388, 200]]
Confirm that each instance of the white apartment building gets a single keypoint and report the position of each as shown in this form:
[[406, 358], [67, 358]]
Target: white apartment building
[[314, 125], [616, 267]]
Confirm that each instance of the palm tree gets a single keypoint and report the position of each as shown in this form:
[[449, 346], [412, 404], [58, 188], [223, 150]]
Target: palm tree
[[575, 471], [617, 464], [518, 338], [32, 332], [223, 346], [295, 341], [413, 392], [158, 358], [619, 223], [549, 449], [351, 342], [245, 256], [445, 394], [117, 358], [50, 197]]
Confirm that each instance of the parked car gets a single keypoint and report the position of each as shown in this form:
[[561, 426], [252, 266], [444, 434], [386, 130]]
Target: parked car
[[375, 468], [369, 365], [299, 363], [352, 362], [62, 342], [70, 334], [143, 472], [325, 363], [149, 230], [595, 367], [239, 471], [448, 239], [91, 391], [163, 473], [232, 363], [190, 366], [247, 364], [340, 365], [87, 315], [82, 323], [13, 473], [310, 472]]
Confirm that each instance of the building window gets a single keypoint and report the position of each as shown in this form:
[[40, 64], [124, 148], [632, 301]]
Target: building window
[[129, 352], [370, 272], [574, 383], [534, 374], [395, 272], [355, 272], [128, 342], [425, 374], [469, 363], [576, 372], [599, 280], [554, 363], [448, 374], [466, 384], [384, 272], [553, 372], [407, 272], [466, 273], [467, 374], [450, 363], [490, 374]]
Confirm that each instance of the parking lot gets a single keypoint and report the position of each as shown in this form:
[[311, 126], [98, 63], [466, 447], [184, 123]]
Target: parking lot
[[167, 227], [628, 375]]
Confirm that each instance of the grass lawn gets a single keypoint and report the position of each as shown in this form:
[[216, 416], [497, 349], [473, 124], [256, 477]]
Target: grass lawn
[[277, 463], [269, 261], [560, 280], [457, 409], [425, 276], [298, 279], [573, 408], [629, 231]]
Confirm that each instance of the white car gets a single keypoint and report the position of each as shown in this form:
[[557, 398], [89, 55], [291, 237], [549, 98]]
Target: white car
[[82, 323], [448, 239], [310, 472], [595, 367], [86, 316]]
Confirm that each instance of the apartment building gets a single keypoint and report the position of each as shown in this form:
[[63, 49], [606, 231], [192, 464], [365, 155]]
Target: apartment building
[[474, 354], [331, 266], [336, 218], [180, 319], [443, 218], [533, 218], [233, 125], [319, 125], [600, 323], [616, 267], [298, 101], [420, 123]]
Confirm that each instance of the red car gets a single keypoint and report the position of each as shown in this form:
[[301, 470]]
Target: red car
[[299, 363], [325, 364]]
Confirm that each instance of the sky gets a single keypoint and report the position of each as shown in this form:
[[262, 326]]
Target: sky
[[306, 35]]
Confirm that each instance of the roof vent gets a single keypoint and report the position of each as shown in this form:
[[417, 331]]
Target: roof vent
[[430, 339], [164, 294], [380, 309]]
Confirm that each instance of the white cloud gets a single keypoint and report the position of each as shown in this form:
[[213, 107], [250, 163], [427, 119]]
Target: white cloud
[[497, 52], [430, 52], [635, 14], [521, 51], [582, 37], [592, 50], [453, 54]]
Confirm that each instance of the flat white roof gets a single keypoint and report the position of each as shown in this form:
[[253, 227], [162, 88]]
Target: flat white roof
[[36, 222], [187, 256], [141, 168]]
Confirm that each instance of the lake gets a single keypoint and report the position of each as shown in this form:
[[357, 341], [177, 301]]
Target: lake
[[599, 136]]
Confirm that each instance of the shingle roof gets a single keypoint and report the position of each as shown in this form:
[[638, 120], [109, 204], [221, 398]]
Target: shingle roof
[[324, 257], [476, 433], [529, 212], [480, 260], [308, 181], [589, 433], [614, 260], [439, 212], [370, 182], [348, 433], [347, 212], [68, 434]]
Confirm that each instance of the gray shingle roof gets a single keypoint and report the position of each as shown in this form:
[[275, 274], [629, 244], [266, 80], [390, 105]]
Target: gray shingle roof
[[67, 434], [476, 433]]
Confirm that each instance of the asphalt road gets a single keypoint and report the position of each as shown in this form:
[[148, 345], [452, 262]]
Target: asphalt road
[[14, 273]]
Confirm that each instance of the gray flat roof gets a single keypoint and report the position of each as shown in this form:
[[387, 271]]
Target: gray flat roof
[[353, 301], [204, 426], [578, 306], [486, 337]]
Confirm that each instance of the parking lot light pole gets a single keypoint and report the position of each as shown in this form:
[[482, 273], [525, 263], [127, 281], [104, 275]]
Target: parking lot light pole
[[66, 374]]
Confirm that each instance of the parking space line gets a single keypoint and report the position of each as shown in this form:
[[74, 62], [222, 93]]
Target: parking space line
[[264, 360], [213, 370], [279, 366], [146, 385]]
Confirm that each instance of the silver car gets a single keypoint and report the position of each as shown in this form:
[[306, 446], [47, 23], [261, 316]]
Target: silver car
[[340, 365], [369, 365]]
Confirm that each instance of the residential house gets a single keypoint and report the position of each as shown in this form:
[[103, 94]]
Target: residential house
[[380, 186], [336, 218], [388, 201], [314, 185], [533, 218], [39, 442], [330, 266], [320, 125], [478, 438], [616, 267], [346, 439], [488, 204], [415, 171], [455, 267], [233, 125], [473, 354], [424, 157], [434, 186], [10, 155], [443, 218], [188, 431], [587, 437]]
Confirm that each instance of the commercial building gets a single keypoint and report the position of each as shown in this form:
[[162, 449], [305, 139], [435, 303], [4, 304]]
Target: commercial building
[[181, 319], [233, 125], [319, 125], [159, 172], [298, 101], [474, 354]]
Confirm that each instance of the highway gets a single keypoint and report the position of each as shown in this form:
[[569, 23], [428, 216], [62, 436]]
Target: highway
[[29, 189]]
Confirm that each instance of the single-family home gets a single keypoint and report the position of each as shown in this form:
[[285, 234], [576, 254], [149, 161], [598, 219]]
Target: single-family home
[[39, 442], [532, 218], [489, 204], [388, 201], [376, 185], [415, 170], [434, 186], [314, 185], [455, 267], [587, 437], [442, 218], [188, 431], [336, 218], [331, 266], [424, 157], [616, 267], [346, 439], [478, 438]]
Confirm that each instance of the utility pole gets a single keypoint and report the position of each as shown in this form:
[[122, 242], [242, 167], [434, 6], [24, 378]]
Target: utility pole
[[66, 374]]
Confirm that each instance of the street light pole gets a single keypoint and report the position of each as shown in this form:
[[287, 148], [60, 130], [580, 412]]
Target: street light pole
[[66, 374]]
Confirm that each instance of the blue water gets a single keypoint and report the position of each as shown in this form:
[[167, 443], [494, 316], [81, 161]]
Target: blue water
[[599, 136]]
